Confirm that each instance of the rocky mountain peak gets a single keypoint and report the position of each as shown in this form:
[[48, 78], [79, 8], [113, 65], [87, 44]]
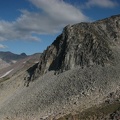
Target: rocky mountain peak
[[82, 44], [23, 54], [77, 77]]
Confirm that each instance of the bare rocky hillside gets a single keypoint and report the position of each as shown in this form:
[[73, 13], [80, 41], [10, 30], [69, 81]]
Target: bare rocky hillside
[[21, 64], [84, 45], [77, 77]]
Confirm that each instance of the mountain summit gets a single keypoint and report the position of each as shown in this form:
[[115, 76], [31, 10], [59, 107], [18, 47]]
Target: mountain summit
[[83, 45], [77, 77]]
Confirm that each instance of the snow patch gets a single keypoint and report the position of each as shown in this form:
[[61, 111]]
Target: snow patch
[[13, 61], [7, 73], [24, 62]]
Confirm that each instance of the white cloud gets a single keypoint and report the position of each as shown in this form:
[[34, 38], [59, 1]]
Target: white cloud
[[2, 46], [102, 3], [53, 16], [12, 31], [60, 11]]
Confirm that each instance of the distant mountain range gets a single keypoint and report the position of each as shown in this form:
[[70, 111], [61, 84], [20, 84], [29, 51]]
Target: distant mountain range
[[12, 63], [9, 56]]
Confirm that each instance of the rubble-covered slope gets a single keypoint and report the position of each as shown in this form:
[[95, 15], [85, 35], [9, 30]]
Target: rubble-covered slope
[[87, 58]]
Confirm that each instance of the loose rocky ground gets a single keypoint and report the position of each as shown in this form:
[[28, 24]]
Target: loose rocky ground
[[56, 95]]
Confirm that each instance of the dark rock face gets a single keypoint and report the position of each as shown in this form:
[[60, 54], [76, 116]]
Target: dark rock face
[[83, 44]]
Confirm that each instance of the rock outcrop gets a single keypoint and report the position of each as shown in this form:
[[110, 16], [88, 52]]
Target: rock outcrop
[[83, 44], [77, 77]]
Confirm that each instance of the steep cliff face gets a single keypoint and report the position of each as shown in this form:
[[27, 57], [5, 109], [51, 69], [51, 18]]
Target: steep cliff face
[[83, 44]]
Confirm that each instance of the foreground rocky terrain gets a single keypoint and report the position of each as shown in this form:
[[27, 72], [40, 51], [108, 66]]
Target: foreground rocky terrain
[[77, 77]]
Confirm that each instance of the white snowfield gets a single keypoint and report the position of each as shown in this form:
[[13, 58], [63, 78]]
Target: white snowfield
[[7, 73]]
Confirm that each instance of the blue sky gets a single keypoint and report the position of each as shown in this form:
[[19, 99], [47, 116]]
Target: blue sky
[[31, 25]]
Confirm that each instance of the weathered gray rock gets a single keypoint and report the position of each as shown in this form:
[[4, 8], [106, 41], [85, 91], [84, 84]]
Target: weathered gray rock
[[88, 57], [83, 44]]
